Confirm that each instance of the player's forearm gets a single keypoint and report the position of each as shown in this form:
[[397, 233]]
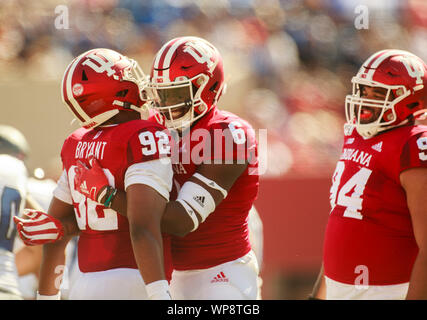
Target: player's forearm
[[52, 266], [418, 283], [70, 226], [145, 209], [118, 202], [28, 259], [148, 250], [175, 220]]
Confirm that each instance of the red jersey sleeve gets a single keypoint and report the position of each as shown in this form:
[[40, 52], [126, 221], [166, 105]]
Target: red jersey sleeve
[[414, 152], [149, 143]]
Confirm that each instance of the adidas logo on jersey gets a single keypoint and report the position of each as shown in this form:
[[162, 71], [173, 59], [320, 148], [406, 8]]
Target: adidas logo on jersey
[[220, 277], [378, 146], [348, 129], [83, 187], [200, 200], [349, 141]]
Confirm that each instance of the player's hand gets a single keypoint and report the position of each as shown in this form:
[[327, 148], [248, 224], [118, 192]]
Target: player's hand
[[92, 182], [40, 228]]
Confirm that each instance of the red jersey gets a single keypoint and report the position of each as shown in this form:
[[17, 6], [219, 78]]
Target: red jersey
[[218, 137], [104, 241], [370, 224]]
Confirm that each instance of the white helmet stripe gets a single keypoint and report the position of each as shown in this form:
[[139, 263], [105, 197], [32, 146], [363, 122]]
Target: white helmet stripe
[[380, 59], [167, 60], [372, 57], [156, 66], [63, 89], [366, 67]]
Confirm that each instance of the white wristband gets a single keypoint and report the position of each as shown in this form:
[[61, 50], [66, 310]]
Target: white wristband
[[190, 212], [158, 290], [211, 184], [198, 198], [44, 297]]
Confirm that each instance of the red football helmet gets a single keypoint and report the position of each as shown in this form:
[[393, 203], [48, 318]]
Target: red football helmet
[[187, 75], [99, 83], [402, 75]]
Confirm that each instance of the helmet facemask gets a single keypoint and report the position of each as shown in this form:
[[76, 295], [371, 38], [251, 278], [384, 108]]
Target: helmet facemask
[[178, 103], [371, 116], [133, 73]]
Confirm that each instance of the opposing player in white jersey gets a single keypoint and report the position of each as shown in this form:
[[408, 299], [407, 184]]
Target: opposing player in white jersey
[[28, 258], [13, 192]]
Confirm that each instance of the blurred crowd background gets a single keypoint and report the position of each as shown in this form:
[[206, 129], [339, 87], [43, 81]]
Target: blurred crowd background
[[288, 66], [288, 63]]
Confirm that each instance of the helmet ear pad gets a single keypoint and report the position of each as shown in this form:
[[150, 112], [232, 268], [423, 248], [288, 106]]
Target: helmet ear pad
[[387, 116]]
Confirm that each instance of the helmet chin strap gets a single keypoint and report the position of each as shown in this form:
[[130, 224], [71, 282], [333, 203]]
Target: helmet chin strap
[[371, 132], [185, 120], [142, 110]]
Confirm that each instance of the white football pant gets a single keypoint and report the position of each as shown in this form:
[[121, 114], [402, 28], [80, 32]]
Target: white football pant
[[114, 284], [234, 280], [342, 291]]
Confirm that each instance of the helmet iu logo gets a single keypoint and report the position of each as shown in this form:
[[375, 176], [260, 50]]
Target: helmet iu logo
[[414, 67], [202, 53], [104, 66]]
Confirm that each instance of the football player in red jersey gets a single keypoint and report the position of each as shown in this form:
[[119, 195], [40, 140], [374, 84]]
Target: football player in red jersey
[[375, 244], [214, 158], [102, 89]]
